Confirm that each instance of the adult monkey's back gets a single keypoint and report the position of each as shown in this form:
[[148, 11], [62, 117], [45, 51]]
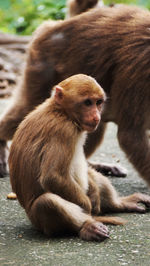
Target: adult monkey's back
[[113, 46]]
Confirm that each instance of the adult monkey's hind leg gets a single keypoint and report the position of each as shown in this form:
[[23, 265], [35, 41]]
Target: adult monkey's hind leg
[[9, 122], [93, 141]]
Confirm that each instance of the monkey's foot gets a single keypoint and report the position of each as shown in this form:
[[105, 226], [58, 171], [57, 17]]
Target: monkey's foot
[[131, 203], [109, 169], [94, 231]]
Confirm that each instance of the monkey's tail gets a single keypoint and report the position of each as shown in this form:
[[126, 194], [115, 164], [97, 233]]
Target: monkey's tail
[[110, 220]]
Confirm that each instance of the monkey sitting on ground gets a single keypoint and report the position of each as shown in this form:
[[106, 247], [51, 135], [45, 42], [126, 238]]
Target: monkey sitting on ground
[[48, 169]]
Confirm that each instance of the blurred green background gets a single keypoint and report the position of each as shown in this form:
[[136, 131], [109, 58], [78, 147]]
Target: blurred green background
[[23, 16]]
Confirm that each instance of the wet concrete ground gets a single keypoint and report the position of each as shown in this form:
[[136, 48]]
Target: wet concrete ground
[[21, 244]]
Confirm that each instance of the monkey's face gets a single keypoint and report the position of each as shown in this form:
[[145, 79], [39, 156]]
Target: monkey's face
[[87, 114], [91, 113], [81, 98]]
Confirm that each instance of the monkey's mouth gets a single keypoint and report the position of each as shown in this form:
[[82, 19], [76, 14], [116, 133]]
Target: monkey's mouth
[[90, 127]]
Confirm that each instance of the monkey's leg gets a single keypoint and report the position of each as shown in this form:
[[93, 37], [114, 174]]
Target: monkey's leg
[[53, 215], [95, 198], [3, 158], [93, 141], [136, 145], [111, 202]]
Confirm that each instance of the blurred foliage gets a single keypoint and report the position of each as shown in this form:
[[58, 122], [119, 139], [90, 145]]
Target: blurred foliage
[[23, 16], [143, 3]]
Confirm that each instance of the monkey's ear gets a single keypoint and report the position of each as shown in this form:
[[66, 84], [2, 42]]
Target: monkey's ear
[[58, 94]]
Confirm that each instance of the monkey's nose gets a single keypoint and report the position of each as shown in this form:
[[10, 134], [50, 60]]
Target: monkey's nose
[[96, 119]]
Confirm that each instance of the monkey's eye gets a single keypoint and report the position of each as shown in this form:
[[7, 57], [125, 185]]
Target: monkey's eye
[[99, 102], [88, 102]]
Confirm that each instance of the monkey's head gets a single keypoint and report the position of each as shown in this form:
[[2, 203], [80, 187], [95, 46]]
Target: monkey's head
[[82, 99]]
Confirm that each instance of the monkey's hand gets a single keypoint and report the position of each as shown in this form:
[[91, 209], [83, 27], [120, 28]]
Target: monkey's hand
[[131, 203], [94, 231], [3, 159]]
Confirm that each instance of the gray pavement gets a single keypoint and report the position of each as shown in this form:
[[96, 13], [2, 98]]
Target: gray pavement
[[21, 244]]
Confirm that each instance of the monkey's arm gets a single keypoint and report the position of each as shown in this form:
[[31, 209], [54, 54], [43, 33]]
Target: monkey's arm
[[55, 167], [67, 189]]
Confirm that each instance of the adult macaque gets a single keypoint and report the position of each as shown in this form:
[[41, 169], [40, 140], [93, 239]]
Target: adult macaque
[[110, 44], [49, 171], [76, 7]]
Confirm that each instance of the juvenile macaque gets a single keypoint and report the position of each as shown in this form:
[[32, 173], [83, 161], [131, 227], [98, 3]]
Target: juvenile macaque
[[110, 44], [48, 169], [76, 7]]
